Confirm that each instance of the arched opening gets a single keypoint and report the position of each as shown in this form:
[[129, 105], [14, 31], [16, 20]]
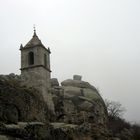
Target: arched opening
[[45, 60], [31, 58]]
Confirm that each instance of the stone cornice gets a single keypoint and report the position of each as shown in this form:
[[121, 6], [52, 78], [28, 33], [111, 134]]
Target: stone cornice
[[34, 66], [25, 48]]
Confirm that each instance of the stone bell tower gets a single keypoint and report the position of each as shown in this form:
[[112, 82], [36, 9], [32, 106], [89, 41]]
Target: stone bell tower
[[35, 66]]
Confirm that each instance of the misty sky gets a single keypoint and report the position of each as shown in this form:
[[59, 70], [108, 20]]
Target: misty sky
[[98, 39]]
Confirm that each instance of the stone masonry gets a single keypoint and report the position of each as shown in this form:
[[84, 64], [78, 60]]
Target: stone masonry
[[35, 67]]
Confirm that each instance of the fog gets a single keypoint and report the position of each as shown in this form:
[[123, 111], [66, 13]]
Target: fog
[[98, 39]]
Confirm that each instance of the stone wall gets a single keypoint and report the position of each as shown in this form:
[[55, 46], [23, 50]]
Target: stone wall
[[38, 78], [37, 74]]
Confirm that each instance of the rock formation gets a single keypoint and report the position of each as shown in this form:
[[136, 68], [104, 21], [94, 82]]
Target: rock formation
[[77, 102], [35, 107], [18, 103], [80, 112], [83, 103]]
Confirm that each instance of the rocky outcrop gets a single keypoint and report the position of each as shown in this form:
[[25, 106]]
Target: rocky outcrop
[[19, 103], [78, 103], [58, 99], [83, 103], [80, 112], [53, 131]]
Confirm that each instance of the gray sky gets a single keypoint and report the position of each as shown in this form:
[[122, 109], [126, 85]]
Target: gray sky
[[98, 39]]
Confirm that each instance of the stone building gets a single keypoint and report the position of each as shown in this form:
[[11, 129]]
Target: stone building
[[35, 67]]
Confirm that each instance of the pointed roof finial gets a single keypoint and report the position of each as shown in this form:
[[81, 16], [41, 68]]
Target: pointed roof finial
[[21, 46], [34, 31]]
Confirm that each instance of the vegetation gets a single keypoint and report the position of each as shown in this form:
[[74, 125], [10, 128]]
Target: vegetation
[[114, 108], [118, 126]]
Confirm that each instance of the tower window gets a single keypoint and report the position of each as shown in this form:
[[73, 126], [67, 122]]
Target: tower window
[[31, 58], [45, 60]]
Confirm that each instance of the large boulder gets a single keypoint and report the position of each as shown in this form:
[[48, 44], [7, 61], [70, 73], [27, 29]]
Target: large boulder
[[83, 103], [58, 100], [54, 82]]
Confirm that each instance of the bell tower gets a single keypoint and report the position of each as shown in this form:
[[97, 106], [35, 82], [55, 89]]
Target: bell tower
[[35, 66]]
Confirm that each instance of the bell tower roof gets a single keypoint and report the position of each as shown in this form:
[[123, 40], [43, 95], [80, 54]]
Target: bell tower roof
[[35, 41]]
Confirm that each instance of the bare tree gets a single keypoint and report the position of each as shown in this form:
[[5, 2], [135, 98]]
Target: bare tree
[[114, 108]]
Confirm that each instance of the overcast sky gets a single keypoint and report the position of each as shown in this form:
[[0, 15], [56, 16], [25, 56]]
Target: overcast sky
[[98, 39]]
